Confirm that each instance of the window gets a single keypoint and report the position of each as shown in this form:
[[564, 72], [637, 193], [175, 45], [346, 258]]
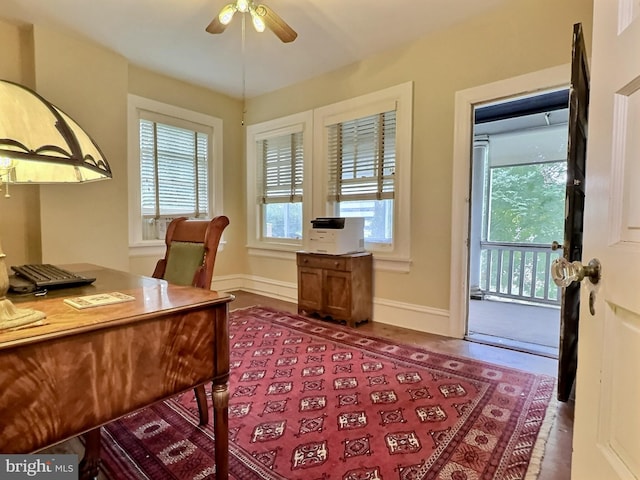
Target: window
[[278, 197], [361, 167], [173, 175], [281, 186], [175, 161], [363, 153], [361, 157]]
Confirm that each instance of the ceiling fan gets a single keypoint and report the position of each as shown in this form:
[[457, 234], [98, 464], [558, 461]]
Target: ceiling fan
[[261, 16]]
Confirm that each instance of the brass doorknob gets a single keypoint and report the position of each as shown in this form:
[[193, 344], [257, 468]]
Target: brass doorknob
[[564, 272]]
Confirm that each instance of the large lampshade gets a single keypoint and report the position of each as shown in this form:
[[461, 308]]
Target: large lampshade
[[41, 144]]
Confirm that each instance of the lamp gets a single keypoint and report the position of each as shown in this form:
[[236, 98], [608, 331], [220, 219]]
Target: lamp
[[39, 143]]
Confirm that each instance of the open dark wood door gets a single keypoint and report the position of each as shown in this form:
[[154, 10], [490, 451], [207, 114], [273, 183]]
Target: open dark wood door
[[576, 163]]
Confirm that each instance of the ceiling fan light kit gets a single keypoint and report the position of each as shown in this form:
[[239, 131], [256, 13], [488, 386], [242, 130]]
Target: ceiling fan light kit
[[243, 5], [262, 17], [258, 23], [226, 14]]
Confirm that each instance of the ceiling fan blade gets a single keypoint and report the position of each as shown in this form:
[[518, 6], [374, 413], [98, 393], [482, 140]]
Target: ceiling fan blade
[[278, 26], [216, 26]]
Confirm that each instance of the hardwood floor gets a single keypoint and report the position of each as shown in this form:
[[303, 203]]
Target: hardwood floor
[[556, 464]]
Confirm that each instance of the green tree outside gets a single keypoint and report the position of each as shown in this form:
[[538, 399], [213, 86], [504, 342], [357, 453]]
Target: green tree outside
[[527, 203]]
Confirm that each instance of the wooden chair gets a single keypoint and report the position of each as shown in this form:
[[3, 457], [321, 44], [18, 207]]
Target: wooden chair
[[189, 260]]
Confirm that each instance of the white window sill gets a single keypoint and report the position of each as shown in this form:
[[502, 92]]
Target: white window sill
[[285, 252]]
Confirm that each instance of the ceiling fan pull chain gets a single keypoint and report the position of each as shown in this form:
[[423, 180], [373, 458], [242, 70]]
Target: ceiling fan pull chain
[[243, 70]]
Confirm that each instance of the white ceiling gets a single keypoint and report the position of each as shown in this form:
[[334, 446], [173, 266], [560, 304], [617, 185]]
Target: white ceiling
[[169, 36]]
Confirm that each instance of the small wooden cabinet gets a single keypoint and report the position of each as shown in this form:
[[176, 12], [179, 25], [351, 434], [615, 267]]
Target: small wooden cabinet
[[336, 286]]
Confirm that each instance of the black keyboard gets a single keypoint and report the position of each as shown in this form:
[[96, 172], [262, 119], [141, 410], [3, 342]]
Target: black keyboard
[[45, 275]]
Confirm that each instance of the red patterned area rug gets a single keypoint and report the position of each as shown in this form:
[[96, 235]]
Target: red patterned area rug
[[317, 401]]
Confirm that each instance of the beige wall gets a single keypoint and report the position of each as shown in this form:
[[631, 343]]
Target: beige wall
[[85, 223], [20, 213], [521, 37], [89, 223]]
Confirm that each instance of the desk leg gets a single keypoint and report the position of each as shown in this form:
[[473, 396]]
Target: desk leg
[[90, 463], [220, 394]]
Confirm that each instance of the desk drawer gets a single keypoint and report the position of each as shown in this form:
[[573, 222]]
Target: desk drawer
[[326, 262]]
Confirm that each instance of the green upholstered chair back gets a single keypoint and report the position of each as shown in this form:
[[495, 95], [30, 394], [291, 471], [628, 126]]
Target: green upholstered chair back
[[191, 251], [183, 261]]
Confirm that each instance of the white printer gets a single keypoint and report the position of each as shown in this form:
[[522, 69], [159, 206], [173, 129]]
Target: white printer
[[337, 235]]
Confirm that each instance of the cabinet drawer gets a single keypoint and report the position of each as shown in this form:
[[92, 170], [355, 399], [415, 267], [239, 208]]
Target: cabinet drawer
[[326, 262]]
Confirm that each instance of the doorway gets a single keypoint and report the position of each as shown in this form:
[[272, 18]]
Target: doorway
[[518, 178]]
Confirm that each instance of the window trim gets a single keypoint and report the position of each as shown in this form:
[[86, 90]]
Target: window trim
[[178, 116], [302, 121], [397, 257]]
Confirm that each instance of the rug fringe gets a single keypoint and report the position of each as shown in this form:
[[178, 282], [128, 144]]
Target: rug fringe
[[537, 454]]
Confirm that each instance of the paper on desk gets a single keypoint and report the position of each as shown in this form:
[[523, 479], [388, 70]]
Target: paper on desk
[[98, 300]]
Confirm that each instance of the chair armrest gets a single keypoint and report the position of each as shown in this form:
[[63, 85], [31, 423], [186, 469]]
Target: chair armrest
[[200, 279], [160, 267]]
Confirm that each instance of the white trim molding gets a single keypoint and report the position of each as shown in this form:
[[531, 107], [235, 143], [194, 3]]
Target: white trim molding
[[398, 314], [465, 101], [259, 285], [411, 316]]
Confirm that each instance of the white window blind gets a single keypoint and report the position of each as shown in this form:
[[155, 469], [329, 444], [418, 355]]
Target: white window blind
[[282, 168], [278, 189], [362, 158], [173, 171]]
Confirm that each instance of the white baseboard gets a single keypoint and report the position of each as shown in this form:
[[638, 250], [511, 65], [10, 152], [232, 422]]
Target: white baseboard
[[389, 312], [411, 316], [227, 283], [259, 285]]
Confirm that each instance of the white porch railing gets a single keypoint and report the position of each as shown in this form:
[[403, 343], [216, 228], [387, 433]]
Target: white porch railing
[[518, 271]]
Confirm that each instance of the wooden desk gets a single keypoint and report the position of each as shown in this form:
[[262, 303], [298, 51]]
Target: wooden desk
[[85, 368]]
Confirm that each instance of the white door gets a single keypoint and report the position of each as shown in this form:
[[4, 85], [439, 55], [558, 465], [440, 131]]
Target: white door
[[607, 416]]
